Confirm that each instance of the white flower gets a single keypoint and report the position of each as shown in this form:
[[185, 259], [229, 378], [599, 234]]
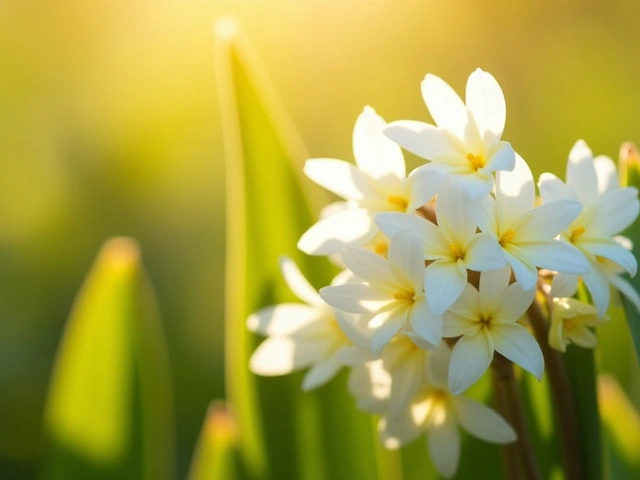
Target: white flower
[[388, 384], [570, 322], [608, 209], [302, 335], [394, 291], [526, 234], [453, 246], [487, 320], [466, 143], [438, 413], [378, 184]]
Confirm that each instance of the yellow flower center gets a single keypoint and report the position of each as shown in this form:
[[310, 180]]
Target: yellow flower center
[[576, 233], [404, 296], [398, 203], [485, 321], [506, 237], [476, 161], [457, 252], [381, 248], [570, 325], [436, 405]]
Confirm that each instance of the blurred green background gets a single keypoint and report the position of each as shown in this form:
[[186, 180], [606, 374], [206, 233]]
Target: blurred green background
[[109, 125]]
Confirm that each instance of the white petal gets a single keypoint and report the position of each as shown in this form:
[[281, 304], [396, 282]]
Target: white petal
[[515, 193], [356, 297], [437, 372], [370, 384], [444, 447], [483, 422], [626, 289], [424, 184], [433, 242], [485, 100], [485, 215], [330, 235], [514, 303], [392, 324], [407, 259], [282, 355], [581, 174], [424, 140], [406, 381], [484, 253], [452, 215], [614, 252], [616, 210], [519, 346], [598, 287], [321, 373], [444, 104], [524, 270], [425, 323], [443, 283], [339, 177], [552, 188], [546, 221], [556, 255], [583, 337], [284, 318], [470, 358], [298, 284], [475, 185], [375, 154], [501, 157], [368, 266], [352, 356], [607, 174], [564, 285], [398, 430], [357, 333], [492, 285]]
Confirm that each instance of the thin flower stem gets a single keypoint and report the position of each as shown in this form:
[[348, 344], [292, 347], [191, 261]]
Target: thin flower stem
[[561, 393], [510, 450], [509, 400]]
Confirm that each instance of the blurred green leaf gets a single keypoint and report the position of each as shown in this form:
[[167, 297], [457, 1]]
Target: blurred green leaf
[[214, 455], [109, 412], [283, 433], [621, 428]]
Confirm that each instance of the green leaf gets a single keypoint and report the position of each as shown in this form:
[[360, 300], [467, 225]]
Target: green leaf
[[109, 412], [283, 433], [214, 456]]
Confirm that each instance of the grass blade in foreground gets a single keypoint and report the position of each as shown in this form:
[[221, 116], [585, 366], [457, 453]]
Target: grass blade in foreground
[[109, 412], [282, 433]]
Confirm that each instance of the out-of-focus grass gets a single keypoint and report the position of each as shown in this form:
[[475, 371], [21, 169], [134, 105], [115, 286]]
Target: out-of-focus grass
[[109, 125]]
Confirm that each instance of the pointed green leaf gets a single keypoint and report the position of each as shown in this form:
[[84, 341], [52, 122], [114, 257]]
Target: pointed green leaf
[[283, 433], [109, 410], [214, 455]]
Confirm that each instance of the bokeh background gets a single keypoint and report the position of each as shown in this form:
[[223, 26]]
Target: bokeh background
[[109, 125]]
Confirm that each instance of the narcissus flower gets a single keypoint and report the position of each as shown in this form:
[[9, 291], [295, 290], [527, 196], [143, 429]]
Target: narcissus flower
[[608, 210], [393, 292], [526, 234], [439, 414], [377, 183], [486, 322], [571, 322], [466, 145], [453, 245], [302, 335]]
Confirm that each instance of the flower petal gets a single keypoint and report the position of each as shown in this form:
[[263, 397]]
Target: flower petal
[[353, 226], [437, 372], [614, 252], [424, 140], [546, 221], [483, 422], [406, 259], [298, 284], [424, 184], [583, 337], [355, 356], [368, 266], [370, 384], [515, 192], [375, 154], [523, 269], [552, 188], [321, 373], [443, 283], [398, 430], [475, 185], [391, 325], [607, 174], [519, 346], [405, 383], [598, 287], [284, 318], [500, 158], [282, 355], [339, 177], [354, 329], [443, 441], [564, 285], [484, 253], [453, 220], [425, 323], [445, 106], [616, 210], [486, 102], [470, 358], [514, 303], [485, 215], [492, 285], [626, 289], [356, 297], [556, 255], [581, 174], [433, 242]]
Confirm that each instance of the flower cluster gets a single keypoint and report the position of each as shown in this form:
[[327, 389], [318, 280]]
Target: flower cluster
[[442, 266]]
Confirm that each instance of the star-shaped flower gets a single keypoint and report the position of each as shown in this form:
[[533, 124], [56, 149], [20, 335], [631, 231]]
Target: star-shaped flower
[[466, 144], [571, 321], [486, 322], [377, 183]]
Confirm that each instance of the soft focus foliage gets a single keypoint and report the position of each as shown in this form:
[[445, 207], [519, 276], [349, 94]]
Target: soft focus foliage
[[109, 125]]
